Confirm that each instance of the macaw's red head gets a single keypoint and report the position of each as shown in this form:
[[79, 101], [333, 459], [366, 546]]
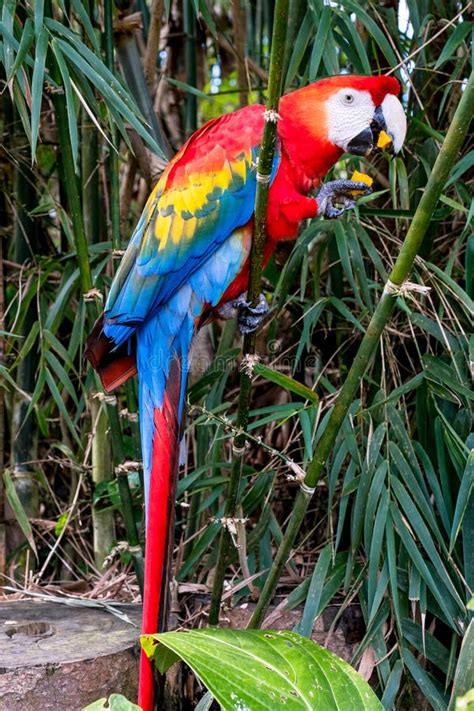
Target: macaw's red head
[[349, 113]]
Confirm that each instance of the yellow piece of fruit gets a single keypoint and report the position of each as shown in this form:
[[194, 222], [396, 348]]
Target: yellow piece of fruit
[[362, 178], [384, 140]]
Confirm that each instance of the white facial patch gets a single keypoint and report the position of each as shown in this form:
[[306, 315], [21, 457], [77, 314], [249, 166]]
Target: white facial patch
[[395, 120], [349, 111]]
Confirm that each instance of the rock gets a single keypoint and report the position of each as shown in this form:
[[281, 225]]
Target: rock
[[56, 657]]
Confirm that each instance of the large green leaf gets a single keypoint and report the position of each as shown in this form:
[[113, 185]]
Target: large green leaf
[[116, 702], [263, 669]]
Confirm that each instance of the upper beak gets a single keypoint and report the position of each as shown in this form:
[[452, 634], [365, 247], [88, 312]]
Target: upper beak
[[388, 127]]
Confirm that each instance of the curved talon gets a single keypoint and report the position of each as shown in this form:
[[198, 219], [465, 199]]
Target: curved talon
[[250, 317], [342, 193]]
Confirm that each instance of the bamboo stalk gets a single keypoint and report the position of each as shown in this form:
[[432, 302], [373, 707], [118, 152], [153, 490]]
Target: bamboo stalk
[[118, 452], [132, 70], [265, 163], [401, 270], [190, 59], [24, 435], [240, 31], [125, 494], [113, 155], [102, 520]]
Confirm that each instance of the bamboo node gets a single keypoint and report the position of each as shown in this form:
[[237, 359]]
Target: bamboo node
[[119, 548], [239, 451], [108, 399], [271, 115], [249, 361], [404, 289], [298, 473], [231, 524], [307, 490], [93, 295], [132, 416], [126, 467], [264, 179]]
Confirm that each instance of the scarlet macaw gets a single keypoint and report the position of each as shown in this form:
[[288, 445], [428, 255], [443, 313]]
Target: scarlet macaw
[[188, 261]]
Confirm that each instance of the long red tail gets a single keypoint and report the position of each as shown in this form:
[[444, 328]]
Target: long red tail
[[160, 524]]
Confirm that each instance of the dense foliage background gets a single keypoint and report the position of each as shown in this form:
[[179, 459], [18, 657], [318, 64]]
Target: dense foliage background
[[95, 98]]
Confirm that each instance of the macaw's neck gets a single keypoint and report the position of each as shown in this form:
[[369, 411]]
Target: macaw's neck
[[303, 135]]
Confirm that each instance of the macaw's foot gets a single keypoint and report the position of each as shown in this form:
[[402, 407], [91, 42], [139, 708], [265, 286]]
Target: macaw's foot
[[337, 196], [250, 317]]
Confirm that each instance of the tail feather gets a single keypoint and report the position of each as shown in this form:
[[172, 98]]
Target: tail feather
[[160, 522], [114, 365]]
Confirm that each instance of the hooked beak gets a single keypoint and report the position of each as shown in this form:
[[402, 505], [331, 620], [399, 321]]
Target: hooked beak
[[388, 127]]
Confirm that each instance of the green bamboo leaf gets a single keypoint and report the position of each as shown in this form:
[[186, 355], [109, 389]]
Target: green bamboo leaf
[[299, 48], [27, 37], [421, 530], [455, 39], [61, 302], [421, 496], [426, 644], [392, 568], [87, 24], [106, 83], [37, 392], [425, 682], [434, 486], [285, 382], [71, 109], [464, 675], [359, 48], [443, 374], [37, 87], [60, 405], [208, 19], [320, 41], [10, 39], [22, 109], [464, 495], [57, 346], [58, 369], [27, 344], [17, 508], [373, 29], [358, 267], [186, 87], [379, 595], [9, 47], [392, 686], [358, 513], [7, 378], [343, 249], [346, 312], [379, 526], [461, 167], [313, 599], [205, 704], [263, 669], [371, 250], [375, 490], [455, 204], [39, 17], [415, 555]]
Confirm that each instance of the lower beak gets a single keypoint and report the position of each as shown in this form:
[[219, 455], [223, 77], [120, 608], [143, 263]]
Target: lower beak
[[375, 136], [362, 144]]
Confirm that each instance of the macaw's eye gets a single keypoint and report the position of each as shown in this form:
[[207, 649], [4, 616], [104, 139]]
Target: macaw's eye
[[348, 98]]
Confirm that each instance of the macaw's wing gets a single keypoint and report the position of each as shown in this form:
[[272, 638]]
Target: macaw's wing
[[206, 192]]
